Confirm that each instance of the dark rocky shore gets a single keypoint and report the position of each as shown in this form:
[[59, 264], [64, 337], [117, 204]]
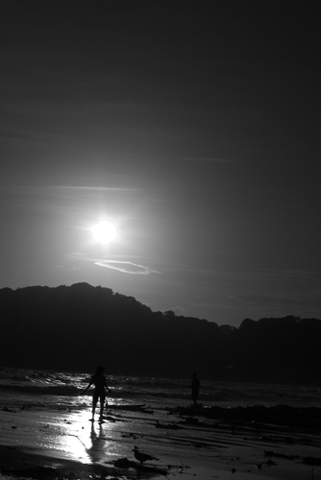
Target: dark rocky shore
[[298, 418]]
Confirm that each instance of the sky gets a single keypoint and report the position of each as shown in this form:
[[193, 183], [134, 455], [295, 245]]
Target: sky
[[192, 126]]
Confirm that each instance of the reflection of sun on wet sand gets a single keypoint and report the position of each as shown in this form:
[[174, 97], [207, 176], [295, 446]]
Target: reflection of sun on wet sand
[[242, 442]]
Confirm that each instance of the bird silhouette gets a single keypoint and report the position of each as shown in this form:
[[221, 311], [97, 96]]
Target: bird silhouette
[[142, 457]]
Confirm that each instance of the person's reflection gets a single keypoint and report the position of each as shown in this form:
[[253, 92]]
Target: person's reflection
[[97, 445]]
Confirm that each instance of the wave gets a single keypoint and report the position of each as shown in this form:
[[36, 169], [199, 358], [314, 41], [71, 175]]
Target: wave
[[43, 390], [154, 390]]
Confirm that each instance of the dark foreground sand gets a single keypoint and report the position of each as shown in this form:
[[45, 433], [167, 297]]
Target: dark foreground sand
[[248, 443]]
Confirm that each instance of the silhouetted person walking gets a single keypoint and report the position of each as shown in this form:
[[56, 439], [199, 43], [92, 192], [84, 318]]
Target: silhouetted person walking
[[195, 386], [100, 383]]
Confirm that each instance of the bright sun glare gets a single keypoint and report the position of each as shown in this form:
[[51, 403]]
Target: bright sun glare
[[104, 232]]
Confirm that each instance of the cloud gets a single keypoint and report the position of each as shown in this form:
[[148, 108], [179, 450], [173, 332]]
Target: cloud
[[265, 301], [125, 267], [68, 268], [61, 190], [207, 159], [80, 188]]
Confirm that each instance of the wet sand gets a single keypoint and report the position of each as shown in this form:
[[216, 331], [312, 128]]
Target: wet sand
[[224, 443]]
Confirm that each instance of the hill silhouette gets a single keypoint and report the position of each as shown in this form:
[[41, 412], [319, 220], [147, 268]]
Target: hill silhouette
[[74, 328]]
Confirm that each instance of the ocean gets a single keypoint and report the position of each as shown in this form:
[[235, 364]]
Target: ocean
[[47, 413], [27, 388]]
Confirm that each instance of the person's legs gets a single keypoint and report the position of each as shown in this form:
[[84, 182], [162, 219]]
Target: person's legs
[[95, 399], [102, 402], [195, 397]]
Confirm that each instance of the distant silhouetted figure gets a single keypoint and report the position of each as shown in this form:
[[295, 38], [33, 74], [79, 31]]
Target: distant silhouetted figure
[[195, 385], [100, 383]]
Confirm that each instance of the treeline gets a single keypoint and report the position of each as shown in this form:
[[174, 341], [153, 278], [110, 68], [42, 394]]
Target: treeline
[[74, 328]]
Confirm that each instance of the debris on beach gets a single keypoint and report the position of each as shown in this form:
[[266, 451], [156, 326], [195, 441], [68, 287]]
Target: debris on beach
[[38, 473], [168, 426], [314, 461], [126, 464], [122, 463]]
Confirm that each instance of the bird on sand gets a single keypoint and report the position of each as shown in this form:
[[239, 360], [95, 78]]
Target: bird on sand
[[142, 457]]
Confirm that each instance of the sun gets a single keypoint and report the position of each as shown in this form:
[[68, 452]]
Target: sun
[[104, 232]]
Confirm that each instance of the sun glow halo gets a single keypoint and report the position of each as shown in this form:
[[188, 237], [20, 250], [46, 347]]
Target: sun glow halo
[[104, 232]]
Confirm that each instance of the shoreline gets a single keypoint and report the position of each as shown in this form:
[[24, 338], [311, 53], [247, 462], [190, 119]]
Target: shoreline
[[251, 443], [18, 462]]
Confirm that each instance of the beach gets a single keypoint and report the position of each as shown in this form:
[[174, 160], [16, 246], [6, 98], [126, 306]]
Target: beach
[[51, 436], [206, 444]]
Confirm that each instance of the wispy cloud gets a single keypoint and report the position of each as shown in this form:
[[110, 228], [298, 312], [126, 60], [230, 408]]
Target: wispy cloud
[[67, 268], [314, 160], [52, 189], [89, 189], [207, 159], [126, 267]]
